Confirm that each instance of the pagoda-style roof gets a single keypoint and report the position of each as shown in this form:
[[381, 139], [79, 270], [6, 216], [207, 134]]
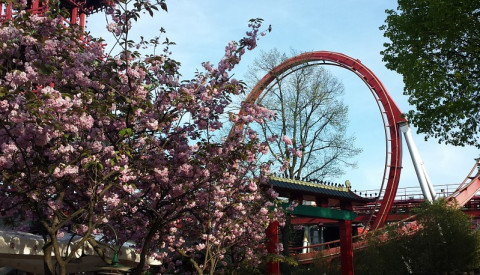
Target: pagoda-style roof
[[286, 187]]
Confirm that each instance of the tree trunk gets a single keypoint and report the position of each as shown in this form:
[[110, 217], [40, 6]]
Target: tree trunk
[[63, 269], [139, 269], [48, 266]]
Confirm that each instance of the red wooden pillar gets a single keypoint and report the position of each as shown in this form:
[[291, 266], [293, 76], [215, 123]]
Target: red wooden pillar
[[35, 6], [82, 21], [9, 11], [74, 15], [346, 247], [272, 267]]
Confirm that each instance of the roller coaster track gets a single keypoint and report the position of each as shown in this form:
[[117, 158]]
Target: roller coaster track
[[391, 116], [393, 122], [468, 188], [462, 195]]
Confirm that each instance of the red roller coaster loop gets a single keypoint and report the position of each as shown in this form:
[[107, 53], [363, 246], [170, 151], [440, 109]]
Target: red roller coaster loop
[[391, 115]]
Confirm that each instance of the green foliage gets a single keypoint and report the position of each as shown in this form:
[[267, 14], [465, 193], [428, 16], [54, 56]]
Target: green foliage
[[444, 242], [380, 257], [435, 45]]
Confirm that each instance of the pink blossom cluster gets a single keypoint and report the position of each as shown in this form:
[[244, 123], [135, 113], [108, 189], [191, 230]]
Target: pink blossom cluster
[[96, 139]]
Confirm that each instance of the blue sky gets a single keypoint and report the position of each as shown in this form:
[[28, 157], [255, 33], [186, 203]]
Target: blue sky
[[201, 30]]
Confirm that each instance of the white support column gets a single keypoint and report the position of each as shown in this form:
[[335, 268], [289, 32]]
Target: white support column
[[423, 179], [429, 183], [306, 242]]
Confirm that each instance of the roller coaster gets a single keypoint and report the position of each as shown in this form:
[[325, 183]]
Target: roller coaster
[[394, 123], [463, 196]]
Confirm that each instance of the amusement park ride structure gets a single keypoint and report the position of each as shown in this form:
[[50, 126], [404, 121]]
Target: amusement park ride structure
[[394, 122]]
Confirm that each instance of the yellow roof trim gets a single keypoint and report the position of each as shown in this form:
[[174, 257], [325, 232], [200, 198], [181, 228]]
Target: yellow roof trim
[[311, 184]]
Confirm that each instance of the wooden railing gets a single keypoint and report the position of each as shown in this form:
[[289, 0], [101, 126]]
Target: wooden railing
[[331, 249]]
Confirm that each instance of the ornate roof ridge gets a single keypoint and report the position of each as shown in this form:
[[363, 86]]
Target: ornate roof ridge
[[311, 184]]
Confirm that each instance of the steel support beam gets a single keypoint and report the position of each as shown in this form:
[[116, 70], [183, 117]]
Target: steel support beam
[[427, 187]]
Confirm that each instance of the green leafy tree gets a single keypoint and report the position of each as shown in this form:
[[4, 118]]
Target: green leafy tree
[[435, 45], [444, 242]]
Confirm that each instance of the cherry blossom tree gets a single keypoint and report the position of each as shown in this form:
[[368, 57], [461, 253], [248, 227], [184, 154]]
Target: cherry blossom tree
[[200, 196], [89, 139], [52, 132]]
